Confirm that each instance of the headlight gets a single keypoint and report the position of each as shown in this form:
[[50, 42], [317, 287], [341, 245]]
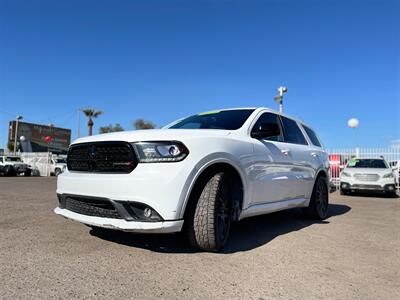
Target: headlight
[[388, 175], [154, 152], [345, 174]]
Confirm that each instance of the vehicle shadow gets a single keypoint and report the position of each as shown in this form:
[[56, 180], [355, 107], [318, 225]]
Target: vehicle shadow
[[372, 195], [245, 235]]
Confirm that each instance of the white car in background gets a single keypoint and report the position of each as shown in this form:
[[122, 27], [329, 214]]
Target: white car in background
[[53, 166], [57, 165], [203, 172], [368, 174], [11, 165]]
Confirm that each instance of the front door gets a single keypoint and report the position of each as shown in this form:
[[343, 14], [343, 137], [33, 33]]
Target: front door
[[270, 174]]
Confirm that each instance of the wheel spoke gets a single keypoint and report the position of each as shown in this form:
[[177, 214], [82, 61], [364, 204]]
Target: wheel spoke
[[223, 217]]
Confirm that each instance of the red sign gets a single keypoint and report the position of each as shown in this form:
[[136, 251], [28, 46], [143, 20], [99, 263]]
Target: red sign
[[48, 139]]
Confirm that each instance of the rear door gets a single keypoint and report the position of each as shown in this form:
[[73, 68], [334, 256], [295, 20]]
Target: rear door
[[270, 173], [303, 170]]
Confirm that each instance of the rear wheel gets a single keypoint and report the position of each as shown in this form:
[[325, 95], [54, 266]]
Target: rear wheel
[[319, 202], [209, 219]]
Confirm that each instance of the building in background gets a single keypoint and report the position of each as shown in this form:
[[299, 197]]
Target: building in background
[[39, 138]]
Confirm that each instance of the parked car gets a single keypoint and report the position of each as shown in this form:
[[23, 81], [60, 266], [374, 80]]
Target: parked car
[[51, 165], [197, 174], [58, 165], [13, 165], [368, 174]]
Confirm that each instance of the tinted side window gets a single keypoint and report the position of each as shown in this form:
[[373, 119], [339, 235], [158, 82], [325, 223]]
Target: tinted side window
[[313, 137], [269, 118], [292, 132]]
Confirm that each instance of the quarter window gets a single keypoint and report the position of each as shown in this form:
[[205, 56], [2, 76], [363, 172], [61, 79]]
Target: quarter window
[[292, 132], [313, 137], [269, 118]]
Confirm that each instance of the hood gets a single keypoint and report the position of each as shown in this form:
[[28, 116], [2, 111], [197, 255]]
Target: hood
[[154, 135], [367, 171], [15, 163]]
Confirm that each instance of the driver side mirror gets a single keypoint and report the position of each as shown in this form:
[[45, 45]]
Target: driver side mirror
[[266, 130]]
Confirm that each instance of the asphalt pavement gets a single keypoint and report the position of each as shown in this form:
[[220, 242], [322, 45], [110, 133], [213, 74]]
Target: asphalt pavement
[[354, 254]]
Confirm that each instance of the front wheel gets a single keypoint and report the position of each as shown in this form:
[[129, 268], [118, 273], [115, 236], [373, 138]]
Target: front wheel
[[10, 171], [391, 194], [57, 172], [209, 219], [318, 207]]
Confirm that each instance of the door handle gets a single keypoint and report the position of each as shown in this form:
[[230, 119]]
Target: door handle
[[285, 151], [314, 154]]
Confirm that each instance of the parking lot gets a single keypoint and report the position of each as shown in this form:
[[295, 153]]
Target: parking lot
[[354, 254]]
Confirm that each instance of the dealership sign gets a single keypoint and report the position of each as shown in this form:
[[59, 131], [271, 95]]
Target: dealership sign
[[40, 138]]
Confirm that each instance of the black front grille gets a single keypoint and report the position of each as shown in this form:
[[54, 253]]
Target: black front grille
[[102, 157], [91, 207]]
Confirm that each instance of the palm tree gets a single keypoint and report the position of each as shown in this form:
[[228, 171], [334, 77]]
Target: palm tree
[[143, 124], [111, 128], [91, 113]]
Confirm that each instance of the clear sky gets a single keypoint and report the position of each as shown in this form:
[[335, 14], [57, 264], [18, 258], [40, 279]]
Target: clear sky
[[161, 60]]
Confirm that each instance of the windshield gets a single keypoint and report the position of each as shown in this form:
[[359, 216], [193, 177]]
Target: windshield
[[17, 159], [367, 163], [224, 119], [60, 161]]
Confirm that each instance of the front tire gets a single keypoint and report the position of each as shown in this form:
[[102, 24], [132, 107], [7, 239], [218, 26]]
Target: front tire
[[57, 172], [391, 194], [10, 171], [209, 219], [319, 202]]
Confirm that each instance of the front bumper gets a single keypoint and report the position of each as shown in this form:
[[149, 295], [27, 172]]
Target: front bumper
[[21, 169], [120, 224], [163, 187], [346, 186]]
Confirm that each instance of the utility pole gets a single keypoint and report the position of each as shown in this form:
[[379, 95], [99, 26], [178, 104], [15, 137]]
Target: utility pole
[[16, 133], [79, 122], [279, 98]]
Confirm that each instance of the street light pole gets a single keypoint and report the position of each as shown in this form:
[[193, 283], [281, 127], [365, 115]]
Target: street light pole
[[353, 123], [79, 122], [16, 133], [279, 98]]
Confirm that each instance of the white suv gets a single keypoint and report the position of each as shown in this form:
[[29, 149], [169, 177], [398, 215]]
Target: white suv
[[202, 172], [11, 165], [368, 174]]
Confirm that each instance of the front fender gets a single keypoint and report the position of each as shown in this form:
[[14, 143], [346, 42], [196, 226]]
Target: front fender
[[240, 165]]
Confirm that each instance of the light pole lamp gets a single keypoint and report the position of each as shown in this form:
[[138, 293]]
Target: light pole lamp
[[353, 123], [16, 132]]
